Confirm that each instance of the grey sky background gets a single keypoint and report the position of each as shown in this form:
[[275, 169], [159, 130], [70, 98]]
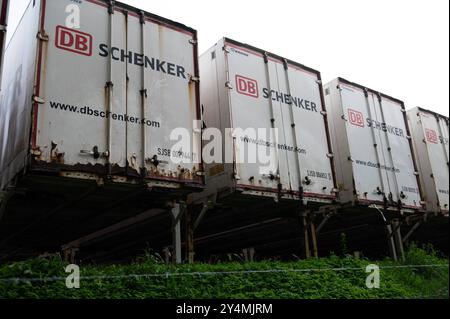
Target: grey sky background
[[398, 47]]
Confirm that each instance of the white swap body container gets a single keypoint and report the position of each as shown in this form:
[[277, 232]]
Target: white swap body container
[[373, 147], [100, 99], [244, 87], [430, 135]]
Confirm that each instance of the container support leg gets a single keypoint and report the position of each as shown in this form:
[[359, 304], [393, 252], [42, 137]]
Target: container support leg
[[306, 235], [177, 212], [398, 240], [190, 252], [411, 231], [314, 239], [191, 226], [391, 242]]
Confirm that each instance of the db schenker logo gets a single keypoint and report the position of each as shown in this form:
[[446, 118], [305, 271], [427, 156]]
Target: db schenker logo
[[432, 136], [247, 86], [73, 41], [356, 118]]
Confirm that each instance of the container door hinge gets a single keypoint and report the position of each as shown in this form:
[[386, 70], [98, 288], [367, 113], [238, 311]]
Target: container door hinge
[[379, 97], [194, 79], [38, 100], [224, 48], [319, 82], [111, 4], [142, 17], [324, 113], [193, 41], [366, 92], [228, 85], [42, 36], [109, 84], [200, 173], [2, 28], [330, 155]]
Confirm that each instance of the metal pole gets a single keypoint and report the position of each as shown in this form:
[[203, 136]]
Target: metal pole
[[314, 239], [391, 242], [306, 237], [398, 240], [176, 233], [412, 230], [189, 237]]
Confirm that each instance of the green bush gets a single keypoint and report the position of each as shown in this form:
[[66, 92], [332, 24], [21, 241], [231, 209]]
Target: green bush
[[291, 280]]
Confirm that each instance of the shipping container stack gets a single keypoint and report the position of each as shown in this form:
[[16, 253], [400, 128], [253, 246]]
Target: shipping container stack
[[109, 143]]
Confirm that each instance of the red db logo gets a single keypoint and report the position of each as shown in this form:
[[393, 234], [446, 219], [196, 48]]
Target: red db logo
[[356, 118], [247, 86], [73, 41], [431, 136]]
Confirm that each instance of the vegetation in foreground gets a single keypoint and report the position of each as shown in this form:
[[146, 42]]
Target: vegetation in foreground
[[332, 277]]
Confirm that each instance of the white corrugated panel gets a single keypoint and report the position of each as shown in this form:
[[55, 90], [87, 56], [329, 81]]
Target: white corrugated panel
[[242, 88], [431, 138], [374, 158]]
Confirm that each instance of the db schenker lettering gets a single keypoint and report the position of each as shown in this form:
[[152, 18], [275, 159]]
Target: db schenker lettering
[[142, 60]]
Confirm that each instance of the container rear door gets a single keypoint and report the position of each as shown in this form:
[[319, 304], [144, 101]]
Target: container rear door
[[403, 183], [114, 91], [261, 92], [364, 144], [436, 135], [305, 129], [379, 148], [248, 76]]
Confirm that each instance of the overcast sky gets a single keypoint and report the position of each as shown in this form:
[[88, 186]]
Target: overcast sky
[[398, 47]]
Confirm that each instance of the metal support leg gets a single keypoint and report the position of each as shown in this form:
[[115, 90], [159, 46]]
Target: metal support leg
[[306, 236], [391, 242], [249, 254], [69, 255], [398, 240], [314, 239], [189, 237], [412, 230], [167, 255], [176, 233], [324, 221]]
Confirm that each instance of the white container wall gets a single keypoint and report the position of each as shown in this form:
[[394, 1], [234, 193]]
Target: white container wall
[[103, 98], [373, 148], [431, 135], [246, 88], [3, 28]]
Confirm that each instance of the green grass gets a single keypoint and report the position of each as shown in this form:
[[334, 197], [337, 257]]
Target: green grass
[[408, 282]]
